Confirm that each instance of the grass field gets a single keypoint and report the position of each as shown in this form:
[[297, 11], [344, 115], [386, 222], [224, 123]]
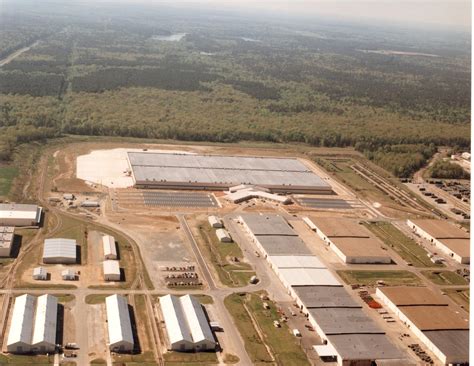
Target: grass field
[[282, 344], [406, 247], [460, 296], [38, 360], [95, 299], [232, 274], [7, 174], [370, 278], [187, 358], [445, 278]]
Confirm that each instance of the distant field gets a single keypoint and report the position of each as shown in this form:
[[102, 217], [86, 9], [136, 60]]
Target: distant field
[[444, 278], [7, 174], [406, 247], [370, 278]]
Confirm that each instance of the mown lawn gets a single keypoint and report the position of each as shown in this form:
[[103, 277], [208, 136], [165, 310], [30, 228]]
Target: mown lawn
[[370, 278], [7, 174], [445, 278]]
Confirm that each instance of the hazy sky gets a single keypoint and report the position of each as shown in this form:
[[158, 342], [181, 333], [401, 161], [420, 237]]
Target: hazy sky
[[452, 13]]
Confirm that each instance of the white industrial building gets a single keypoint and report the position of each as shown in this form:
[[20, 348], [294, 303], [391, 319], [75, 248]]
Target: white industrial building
[[90, 204], [223, 236], [15, 214], [119, 324], [215, 222], [448, 238], [186, 324], [33, 324], [6, 240], [68, 275], [59, 251], [40, 274], [244, 193], [443, 330], [109, 248], [111, 270]]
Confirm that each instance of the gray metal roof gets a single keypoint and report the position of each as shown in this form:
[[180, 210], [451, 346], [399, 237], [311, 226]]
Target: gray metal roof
[[453, 343], [325, 297], [283, 245], [267, 225], [344, 321], [59, 248], [364, 347], [228, 170]]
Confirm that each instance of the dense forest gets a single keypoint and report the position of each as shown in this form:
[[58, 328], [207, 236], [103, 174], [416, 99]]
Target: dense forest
[[393, 94], [447, 170]]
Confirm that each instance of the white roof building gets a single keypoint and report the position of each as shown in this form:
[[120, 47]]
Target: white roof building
[[59, 251], [68, 275], [295, 261], [307, 277], [111, 270], [214, 221], [6, 240], [108, 244], [40, 273], [33, 324], [13, 214], [186, 324], [223, 236], [119, 324]]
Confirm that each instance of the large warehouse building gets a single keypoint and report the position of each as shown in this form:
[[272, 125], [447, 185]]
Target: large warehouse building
[[352, 242], [16, 214], [59, 251], [216, 172], [33, 324], [448, 238], [119, 324], [186, 324], [350, 336], [7, 234], [443, 330]]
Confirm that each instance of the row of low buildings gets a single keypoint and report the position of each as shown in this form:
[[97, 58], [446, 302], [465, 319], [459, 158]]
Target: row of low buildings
[[351, 241], [349, 335], [243, 192], [186, 324], [222, 234], [444, 331], [445, 236]]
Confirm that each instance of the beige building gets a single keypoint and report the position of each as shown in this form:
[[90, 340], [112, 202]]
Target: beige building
[[111, 270]]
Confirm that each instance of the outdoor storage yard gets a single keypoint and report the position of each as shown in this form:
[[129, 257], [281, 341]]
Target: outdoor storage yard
[[276, 279]]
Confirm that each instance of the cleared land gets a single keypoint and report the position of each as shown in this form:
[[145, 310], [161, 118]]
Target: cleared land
[[370, 278], [231, 273], [263, 342], [444, 278], [406, 247]]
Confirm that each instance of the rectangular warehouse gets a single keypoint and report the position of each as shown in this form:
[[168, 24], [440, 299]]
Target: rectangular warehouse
[[109, 248], [111, 270], [16, 214], [59, 250], [186, 324], [451, 240], [216, 172], [33, 324], [119, 324], [6, 240], [351, 241], [443, 330]]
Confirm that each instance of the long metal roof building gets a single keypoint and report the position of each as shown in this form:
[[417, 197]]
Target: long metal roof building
[[119, 324], [16, 214], [33, 324], [109, 248], [186, 323], [59, 251]]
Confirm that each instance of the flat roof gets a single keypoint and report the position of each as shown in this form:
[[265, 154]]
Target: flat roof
[[283, 245], [441, 229], [340, 227], [296, 261], [407, 295], [461, 247], [360, 247], [344, 321], [435, 318], [453, 343], [364, 347], [325, 297], [267, 225], [218, 169], [20, 211], [308, 277]]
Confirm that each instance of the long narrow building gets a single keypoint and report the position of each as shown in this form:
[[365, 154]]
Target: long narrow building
[[33, 324], [16, 214], [119, 324], [186, 324]]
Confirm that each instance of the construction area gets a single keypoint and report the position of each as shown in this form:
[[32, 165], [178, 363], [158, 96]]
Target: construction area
[[206, 255]]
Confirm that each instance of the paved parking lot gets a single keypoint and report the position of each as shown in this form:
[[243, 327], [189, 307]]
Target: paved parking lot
[[323, 203]]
